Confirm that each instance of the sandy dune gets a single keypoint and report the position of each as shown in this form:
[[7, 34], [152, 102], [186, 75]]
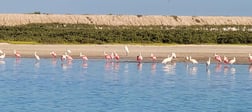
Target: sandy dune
[[135, 20], [200, 52]]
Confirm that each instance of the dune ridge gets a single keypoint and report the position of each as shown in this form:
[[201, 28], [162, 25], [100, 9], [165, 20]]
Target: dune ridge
[[116, 20]]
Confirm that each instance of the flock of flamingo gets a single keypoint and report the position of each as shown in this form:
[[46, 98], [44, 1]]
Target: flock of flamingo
[[114, 56]]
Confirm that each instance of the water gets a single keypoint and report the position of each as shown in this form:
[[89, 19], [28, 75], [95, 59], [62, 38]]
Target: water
[[27, 85]]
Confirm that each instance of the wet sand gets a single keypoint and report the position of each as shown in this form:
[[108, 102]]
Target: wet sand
[[199, 52]]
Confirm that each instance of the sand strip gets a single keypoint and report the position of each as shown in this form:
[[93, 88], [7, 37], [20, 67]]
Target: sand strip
[[199, 52]]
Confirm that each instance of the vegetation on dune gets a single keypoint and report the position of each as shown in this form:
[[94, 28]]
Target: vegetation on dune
[[85, 34]]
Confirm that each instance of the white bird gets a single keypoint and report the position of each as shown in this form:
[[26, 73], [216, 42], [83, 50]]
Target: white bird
[[1, 52], [174, 55], [232, 61], [36, 56], [194, 61], [68, 51], [2, 56], [167, 60], [208, 61], [126, 50]]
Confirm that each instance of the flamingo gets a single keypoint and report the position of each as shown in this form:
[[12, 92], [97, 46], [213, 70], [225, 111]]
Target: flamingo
[[167, 60], [84, 57], [173, 55], [107, 57], [36, 56], [217, 58], [194, 61], [126, 50], [232, 61], [139, 58], [154, 58], [2, 56], [225, 60], [117, 57], [112, 56], [54, 55], [68, 57], [68, 51], [18, 55], [63, 57], [208, 61], [250, 58]]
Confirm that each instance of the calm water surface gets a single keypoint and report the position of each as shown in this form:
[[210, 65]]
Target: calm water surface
[[52, 86]]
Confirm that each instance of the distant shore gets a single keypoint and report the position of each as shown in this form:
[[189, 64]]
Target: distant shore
[[199, 52], [117, 20]]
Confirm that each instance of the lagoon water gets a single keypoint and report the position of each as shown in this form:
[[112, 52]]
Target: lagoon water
[[52, 86]]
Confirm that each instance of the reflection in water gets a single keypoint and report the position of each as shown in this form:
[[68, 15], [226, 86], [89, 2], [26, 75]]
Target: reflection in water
[[225, 70], [107, 66], [126, 67], [116, 66], [111, 66], [85, 65], [153, 68], [208, 71], [2, 62], [66, 65], [37, 64], [193, 70], [139, 66], [233, 70], [170, 68], [54, 62], [250, 68], [218, 67], [2, 65]]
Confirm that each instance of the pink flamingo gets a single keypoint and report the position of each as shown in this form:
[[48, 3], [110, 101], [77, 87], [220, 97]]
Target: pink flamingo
[[117, 57], [63, 57], [139, 58], [217, 58], [17, 55], [154, 58], [232, 61], [83, 57], [250, 58], [107, 57], [53, 54], [225, 60]]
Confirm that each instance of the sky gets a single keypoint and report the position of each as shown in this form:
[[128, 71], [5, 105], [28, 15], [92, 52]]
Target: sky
[[131, 7]]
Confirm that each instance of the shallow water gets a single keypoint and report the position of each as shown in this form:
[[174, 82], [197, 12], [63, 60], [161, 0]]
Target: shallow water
[[49, 85]]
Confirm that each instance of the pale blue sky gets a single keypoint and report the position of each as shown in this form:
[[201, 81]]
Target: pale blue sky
[[132, 7]]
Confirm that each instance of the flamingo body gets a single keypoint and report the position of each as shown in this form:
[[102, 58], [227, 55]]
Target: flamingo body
[[217, 58], [36, 56], [53, 54], [232, 61], [194, 61]]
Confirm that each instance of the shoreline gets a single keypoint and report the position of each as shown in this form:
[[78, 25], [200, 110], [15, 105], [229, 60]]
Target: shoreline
[[198, 52]]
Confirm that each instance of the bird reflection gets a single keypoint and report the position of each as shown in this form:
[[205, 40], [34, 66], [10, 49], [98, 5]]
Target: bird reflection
[[170, 68], [84, 64], [250, 68], [153, 67], [2, 62], [225, 70], [139, 66], [232, 71], [218, 67], [66, 65], [37, 64], [193, 70], [54, 62]]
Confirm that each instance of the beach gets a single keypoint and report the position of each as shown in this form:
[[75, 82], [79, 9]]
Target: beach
[[199, 52]]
